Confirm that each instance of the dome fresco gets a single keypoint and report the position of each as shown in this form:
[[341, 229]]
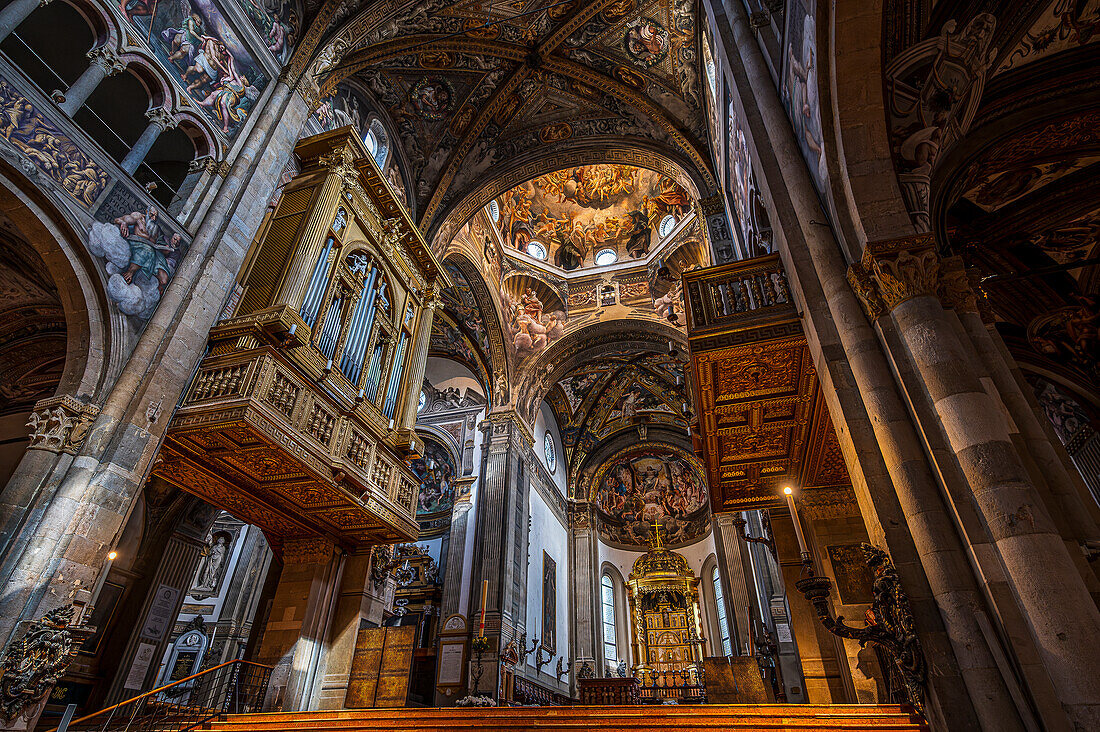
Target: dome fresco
[[577, 214]]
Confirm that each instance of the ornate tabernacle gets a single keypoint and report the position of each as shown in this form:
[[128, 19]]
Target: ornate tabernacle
[[299, 418], [665, 620]]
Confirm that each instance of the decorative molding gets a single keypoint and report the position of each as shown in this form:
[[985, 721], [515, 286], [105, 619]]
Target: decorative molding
[[313, 550]]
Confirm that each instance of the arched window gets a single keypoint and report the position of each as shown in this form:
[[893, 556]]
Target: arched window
[[610, 643], [723, 622], [377, 142]]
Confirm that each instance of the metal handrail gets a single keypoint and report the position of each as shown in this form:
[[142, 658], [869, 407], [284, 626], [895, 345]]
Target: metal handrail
[[186, 716]]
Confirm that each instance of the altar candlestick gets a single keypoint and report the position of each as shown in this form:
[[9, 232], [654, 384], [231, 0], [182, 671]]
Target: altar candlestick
[[484, 597], [794, 517]]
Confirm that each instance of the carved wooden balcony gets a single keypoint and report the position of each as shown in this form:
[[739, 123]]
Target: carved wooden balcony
[[299, 417], [762, 420], [280, 451]]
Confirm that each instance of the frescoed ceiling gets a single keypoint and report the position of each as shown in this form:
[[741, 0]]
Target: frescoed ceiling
[[619, 390], [474, 89], [570, 217]]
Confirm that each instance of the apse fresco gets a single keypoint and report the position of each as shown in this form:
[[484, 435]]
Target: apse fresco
[[194, 40], [279, 23], [573, 214], [643, 485], [436, 470]]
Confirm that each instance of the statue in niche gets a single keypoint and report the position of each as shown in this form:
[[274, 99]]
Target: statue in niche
[[212, 567]]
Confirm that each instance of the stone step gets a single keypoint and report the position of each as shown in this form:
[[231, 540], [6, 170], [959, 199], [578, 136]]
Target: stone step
[[797, 718]]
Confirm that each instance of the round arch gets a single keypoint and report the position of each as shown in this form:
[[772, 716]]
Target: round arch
[[91, 333], [580, 346]]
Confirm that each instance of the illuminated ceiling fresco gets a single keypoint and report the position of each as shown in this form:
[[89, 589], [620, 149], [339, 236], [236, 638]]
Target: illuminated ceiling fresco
[[590, 215]]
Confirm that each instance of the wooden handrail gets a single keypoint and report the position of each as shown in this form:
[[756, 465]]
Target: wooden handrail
[[162, 688]]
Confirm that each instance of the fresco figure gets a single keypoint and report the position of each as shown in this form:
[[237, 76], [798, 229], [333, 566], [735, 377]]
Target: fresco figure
[[193, 39], [147, 248]]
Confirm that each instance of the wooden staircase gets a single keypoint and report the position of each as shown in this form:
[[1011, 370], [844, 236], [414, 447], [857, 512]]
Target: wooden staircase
[[794, 717]]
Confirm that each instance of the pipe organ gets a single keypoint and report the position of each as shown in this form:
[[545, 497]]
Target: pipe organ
[[299, 419]]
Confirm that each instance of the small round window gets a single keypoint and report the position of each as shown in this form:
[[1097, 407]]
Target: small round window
[[668, 223], [536, 249], [494, 210], [605, 257], [423, 402], [548, 450]]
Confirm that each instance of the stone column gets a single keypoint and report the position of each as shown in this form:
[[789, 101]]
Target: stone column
[[105, 62], [500, 551], [456, 550], [352, 606], [730, 549], [821, 667], [898, 496], [15, 13], [297, 625], [1068, 499], [160, 119], [58, 426], [584, 569], [1066, 632], [198, 190], [157, 619]]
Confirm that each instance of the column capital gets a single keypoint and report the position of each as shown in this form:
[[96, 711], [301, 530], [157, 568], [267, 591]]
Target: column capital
[[506, 424], [210, 165], [105, 58], [902, 269], [60, 424], [162, 118], [580, 515]]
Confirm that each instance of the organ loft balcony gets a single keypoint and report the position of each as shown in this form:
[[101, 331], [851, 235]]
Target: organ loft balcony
[[762, 418], [299, 417]]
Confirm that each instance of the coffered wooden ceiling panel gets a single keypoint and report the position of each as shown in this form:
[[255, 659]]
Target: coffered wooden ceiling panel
[[763, 422]]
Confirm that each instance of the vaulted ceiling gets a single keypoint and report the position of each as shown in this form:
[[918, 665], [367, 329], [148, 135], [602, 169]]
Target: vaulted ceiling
[[484, 95]]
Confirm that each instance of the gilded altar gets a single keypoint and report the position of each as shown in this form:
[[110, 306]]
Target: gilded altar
[[665, 619], [299, 419]]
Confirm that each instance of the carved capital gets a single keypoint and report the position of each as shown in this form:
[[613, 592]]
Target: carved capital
[[712, 204], [106, 59], [162, 118], [903, 268], [955, 287], [60, 424], [864, 286]]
